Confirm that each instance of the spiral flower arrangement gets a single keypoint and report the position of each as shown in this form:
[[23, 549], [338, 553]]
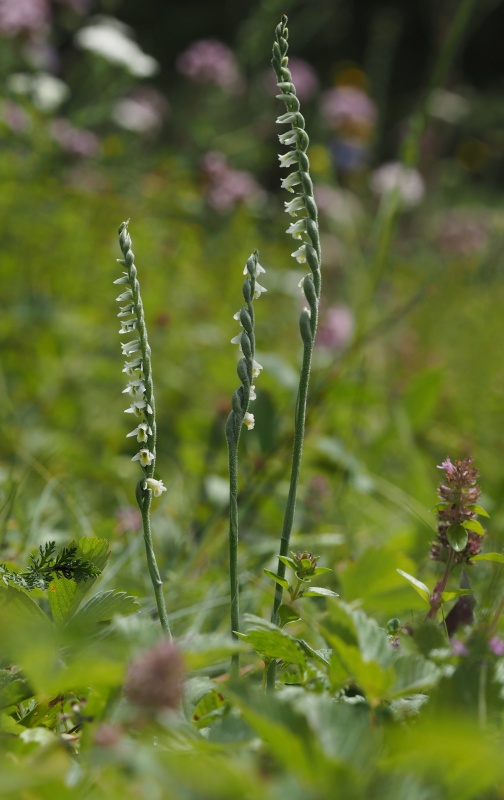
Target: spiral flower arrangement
[[140, 392], [248, 369]]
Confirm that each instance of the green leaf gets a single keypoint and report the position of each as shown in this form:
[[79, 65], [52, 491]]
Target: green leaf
[[321, 570], [450, 595], [211, 706], [317, 591], [274, 577], [479, 510], [65, 595], [418, 586], [18, 610], [287, 614], [457, 537], [13, 688], [489, 557], [319, 655], [475, 526], [413, 673], [289, 562], [103, 606], [272, 642]]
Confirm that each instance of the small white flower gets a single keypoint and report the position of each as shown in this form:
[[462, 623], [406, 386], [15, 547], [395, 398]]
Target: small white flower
[[126, 311], [137, 408], [142, 433], [290, 181], [237, 340], [290, 116], [249, 420], [295, 205], [144, 456], [300, 254], [128, 295], [130, 365], [135, 389], [156, 487], [256, 369], [258, 290], [252, 395], [288, 159], [123, 279], [289, 137], [128, 326], [128, 348], [296, 229], [258, 270], [237, 316]]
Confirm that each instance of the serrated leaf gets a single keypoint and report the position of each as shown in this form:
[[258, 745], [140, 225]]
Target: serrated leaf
[[272, 643], [413, 673], [418, 586], [103, 606], [457, 537], [323, 656], [281, 581], [18, 609], [66, 595], [211, 706], [489, 557], [474, 526], [317, 591]]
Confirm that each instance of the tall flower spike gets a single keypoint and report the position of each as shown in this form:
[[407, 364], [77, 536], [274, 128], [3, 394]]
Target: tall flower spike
[[141, 392], [298, 181], [247, 369], [305, 232]]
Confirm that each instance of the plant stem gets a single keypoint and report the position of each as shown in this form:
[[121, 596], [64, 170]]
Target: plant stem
[[436, 598], [144, 498], [233, 542]]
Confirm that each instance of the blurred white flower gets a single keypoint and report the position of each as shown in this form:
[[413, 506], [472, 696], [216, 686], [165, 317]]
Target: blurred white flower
[[448, 106], [142, 112], [407, 181], [46, 91], [110, 38]]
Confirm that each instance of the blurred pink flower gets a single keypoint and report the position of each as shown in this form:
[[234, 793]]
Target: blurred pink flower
[[304, 79], [227, 186], [210, 61], [336, 328], [128, 519], [15, 117], [77, 141], [395, 176], [154, 680], [462, 234], [347, 104], [496, 645], [23, 16]]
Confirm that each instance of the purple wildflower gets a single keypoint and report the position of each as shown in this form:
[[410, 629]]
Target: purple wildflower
[[210, 61], [458, 494], [23, 16], [336, 328], [227, 187], [77, 141], [496, 645], [348, 106]]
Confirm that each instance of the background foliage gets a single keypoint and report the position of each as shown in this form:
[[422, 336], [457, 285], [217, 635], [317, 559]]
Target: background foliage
[[408, 370]]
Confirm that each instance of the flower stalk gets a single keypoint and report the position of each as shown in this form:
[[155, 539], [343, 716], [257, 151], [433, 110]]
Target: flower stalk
[[305, 232], [140, 392], [247, 369]]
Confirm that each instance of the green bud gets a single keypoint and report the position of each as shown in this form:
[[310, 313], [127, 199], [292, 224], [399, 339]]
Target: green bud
[[305, 327]]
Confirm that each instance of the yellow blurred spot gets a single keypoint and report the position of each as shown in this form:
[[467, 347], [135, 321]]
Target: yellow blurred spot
[[113, 146], [320, 160], [349, 74], [472, 154]]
